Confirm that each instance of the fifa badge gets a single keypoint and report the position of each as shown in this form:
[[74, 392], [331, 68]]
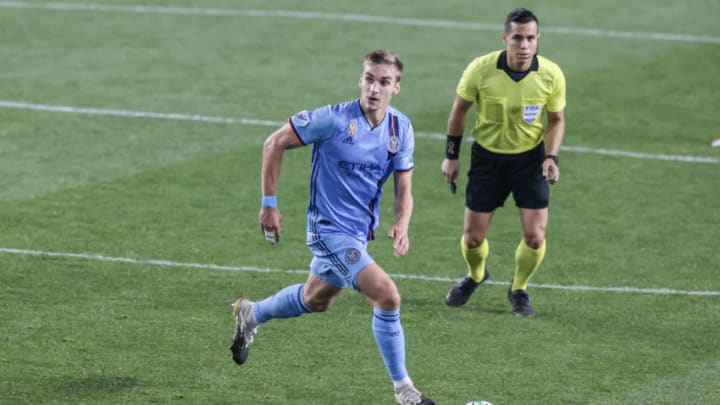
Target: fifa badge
[[531, 112]]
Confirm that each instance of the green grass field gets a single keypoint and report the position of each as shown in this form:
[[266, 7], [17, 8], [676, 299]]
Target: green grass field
[[128, 210]]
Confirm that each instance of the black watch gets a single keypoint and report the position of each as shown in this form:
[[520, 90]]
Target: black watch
[[554, 158]]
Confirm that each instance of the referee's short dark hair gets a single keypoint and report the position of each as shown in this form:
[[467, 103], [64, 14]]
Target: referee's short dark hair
[[520, 16]]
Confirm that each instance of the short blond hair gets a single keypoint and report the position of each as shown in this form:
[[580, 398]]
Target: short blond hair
[[387, 57]]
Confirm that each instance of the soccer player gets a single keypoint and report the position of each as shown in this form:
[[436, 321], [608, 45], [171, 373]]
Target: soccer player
[[356, 146], [513, 152]]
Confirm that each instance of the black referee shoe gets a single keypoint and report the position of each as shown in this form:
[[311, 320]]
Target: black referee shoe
[[520, 301], [460, 293]]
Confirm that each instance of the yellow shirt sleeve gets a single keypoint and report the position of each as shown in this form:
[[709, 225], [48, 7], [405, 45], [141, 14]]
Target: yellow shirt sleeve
[[556, 101], [469, 84]]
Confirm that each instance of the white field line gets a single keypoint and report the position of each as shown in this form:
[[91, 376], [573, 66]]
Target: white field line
[[168, 263], [360, 18], [135, 114], [249, 121]]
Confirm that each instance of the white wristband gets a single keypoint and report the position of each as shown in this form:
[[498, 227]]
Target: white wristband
[[271, 237]]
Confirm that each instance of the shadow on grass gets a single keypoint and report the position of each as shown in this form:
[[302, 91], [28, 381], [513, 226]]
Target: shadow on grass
[[88, 387]]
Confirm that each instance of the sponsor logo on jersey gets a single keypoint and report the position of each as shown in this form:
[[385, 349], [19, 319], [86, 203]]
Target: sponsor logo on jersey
[[366, 169]]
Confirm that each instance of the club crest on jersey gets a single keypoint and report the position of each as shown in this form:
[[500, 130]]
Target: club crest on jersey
[[531, 112], [301, 119], [352, 256], [393, 144]]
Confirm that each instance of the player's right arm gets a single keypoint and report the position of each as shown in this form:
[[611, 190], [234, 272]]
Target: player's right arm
[[273, 149], [455, 130]]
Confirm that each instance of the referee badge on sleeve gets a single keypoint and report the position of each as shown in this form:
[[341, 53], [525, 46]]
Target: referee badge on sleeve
[[531, 112]]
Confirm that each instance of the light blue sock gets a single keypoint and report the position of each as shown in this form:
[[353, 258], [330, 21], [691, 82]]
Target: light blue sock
[[286, 303], [390, 339]]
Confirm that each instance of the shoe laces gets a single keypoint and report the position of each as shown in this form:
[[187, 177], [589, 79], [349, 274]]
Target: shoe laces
[[408, 395], [467, 284], [247, 333], [248, 336], [521, 298]]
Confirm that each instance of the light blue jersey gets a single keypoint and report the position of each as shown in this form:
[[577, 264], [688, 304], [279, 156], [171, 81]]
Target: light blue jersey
[[350, 163]]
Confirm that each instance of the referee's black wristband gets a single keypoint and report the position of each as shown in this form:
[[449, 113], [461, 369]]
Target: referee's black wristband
[[452, 147], [554, 158]]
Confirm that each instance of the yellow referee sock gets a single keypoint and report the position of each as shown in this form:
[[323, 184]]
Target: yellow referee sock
[[475, 258], [527, 261]]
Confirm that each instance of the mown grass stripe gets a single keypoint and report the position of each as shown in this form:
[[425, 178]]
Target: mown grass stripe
[[170, 263], [268, 123], [361, 18]]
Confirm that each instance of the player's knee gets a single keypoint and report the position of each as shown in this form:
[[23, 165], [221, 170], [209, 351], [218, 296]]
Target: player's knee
[[390, 300], [535, 241], [317, 304], [473, 240]]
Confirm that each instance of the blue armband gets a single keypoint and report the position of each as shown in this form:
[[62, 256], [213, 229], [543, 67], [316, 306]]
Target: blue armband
[[269, 201]]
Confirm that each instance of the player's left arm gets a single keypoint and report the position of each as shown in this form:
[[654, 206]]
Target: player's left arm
[[553, 139], [403, 207]]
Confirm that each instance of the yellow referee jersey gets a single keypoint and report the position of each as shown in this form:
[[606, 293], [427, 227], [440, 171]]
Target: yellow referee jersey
[[509, 112]]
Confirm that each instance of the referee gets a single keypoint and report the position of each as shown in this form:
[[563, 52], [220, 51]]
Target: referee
[[513, 152]]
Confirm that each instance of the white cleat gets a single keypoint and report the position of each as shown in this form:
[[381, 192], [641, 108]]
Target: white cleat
[[244, 335], [409, 395]]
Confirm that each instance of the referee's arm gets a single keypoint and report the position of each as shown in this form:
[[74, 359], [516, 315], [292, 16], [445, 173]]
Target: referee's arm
[[455, 128], [458, 114], [555, 132], [553, 139]]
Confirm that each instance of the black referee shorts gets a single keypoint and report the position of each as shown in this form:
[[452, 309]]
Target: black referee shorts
[[493, 176]]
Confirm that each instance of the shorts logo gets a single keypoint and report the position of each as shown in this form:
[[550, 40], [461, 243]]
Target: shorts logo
[[393, 144], [531, 112], [301, 119], [352, 256]]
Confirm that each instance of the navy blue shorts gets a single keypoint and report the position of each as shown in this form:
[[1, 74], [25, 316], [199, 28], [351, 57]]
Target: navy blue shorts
[[493, 176]]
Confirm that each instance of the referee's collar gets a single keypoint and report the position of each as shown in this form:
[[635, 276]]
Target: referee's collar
[[516, 76]]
